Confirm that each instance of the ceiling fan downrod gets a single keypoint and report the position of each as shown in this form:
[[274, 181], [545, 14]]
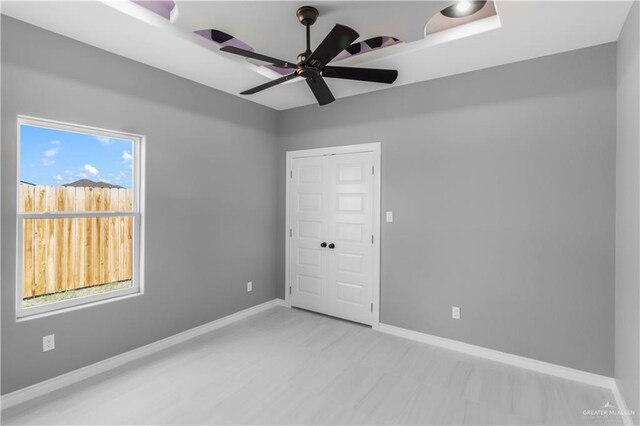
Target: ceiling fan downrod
[[307, 16]]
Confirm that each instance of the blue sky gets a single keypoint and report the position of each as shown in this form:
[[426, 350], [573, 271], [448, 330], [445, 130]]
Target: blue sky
[[55, 157]]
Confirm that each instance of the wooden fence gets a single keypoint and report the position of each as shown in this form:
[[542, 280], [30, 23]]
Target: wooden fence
[[69, 253]]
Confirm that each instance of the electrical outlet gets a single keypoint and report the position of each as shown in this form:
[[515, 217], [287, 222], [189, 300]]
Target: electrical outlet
[[48, 343], [250, 286], [455, 312], [389, 216]]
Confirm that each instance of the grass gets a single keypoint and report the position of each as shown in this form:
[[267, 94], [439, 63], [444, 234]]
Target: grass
[[73, 294]]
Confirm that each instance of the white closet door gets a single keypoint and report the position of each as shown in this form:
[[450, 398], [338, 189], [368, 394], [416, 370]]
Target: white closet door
[[331, 205], [308, 212], [350, 222]]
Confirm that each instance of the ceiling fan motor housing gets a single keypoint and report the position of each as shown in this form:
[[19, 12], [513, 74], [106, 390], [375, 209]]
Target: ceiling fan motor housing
[[308, 72]]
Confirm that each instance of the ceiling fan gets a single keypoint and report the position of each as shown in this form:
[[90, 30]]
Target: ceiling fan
[[313, 65]]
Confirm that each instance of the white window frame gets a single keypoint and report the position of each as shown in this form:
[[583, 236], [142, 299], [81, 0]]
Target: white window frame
[[137, 170]]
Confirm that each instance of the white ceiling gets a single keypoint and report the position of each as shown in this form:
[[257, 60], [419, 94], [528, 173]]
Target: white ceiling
[[272, 27], [524, 30]]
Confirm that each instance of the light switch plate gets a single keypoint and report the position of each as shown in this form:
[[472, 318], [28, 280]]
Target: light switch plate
[[389, 216], [250, 286]]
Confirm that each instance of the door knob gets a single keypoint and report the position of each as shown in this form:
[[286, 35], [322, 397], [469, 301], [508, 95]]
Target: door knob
[[331, 246], [323, 245]]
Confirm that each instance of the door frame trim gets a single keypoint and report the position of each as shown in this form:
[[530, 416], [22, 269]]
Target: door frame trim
[[375, 148]]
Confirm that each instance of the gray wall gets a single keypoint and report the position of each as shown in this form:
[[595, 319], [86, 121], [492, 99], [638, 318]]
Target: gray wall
[[210, 211], [627, 344], [502, 184]]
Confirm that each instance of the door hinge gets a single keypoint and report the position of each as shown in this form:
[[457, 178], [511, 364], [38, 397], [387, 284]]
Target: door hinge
[[290, 174], [372, 169], [372, 307], [371, 239], [289, 289], [290, 233]]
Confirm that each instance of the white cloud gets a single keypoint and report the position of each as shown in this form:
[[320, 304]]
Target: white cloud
[[126, 157], [51, 152], [103, 140], [58, 178], [55, 142], [82, 175], [90, 169], [104, 180], [48, 160]]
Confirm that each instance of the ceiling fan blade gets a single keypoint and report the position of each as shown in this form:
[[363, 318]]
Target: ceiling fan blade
[[320, 90], [363, 74], [248, 54], [269, 84], [338, 39]]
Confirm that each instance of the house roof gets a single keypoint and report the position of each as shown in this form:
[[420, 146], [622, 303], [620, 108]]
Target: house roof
[[88, 183]]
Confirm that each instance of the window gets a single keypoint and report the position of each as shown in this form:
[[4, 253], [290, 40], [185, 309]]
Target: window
[[79, 215]]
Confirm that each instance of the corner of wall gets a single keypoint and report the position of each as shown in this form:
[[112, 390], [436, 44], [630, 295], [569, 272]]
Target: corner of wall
[[627, 269]]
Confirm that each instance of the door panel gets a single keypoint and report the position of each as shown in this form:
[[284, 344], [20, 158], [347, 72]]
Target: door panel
[[332, 202], [350, 203], [310, 202], [349, 232], [310, 285], [309, 257], [349, 263], [308, 227], [349, 267]]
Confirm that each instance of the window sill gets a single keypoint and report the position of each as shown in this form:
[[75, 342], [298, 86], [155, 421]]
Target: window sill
[[75, 304]]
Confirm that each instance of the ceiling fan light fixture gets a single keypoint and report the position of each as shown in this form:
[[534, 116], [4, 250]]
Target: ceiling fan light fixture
[[463, 8]]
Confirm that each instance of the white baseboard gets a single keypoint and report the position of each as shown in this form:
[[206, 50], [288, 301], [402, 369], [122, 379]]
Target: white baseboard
[[503, 357], [518, 361], [622, 405], [55, 383], [282, 302]]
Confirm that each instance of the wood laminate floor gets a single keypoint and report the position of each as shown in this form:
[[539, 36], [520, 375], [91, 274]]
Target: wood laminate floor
[[287, 366]]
